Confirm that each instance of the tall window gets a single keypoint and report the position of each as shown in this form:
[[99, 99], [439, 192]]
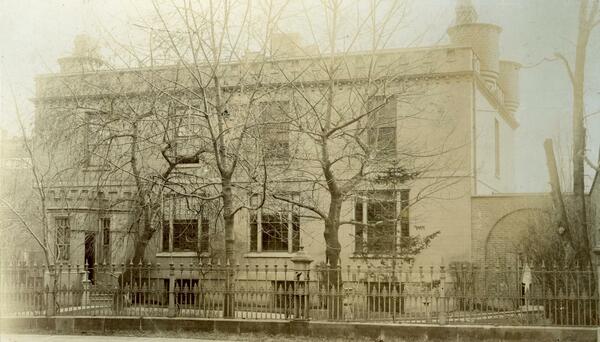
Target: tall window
[[382, 126], [97, 140], [376, 212], [63, 239], [497, 147], [275, 131], [275, 229], [105, 229], [186, 131], [404, 216], [184, 230]]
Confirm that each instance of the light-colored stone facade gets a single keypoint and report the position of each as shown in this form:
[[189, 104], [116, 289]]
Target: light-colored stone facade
[[469, 99]]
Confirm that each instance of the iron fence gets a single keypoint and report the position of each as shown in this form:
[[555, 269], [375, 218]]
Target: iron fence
[[422, 294]]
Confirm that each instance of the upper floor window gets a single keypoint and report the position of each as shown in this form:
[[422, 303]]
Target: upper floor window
[[275, 228], [97, 140], [275, 130], [382, 126], [63, 238]]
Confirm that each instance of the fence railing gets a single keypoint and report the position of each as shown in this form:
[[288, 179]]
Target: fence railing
[[437, 294]]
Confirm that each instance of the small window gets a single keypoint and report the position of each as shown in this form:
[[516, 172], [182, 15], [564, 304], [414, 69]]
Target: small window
[[63, 239]]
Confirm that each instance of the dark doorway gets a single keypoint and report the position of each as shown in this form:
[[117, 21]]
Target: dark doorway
[[90, 254]]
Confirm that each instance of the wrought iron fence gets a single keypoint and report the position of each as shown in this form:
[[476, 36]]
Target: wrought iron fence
[[436, 294]]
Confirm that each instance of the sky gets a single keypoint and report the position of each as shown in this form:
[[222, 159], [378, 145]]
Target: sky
[[35, 33]]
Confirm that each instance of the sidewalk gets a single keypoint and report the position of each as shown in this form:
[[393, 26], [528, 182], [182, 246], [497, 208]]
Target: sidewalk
[[87, 338]]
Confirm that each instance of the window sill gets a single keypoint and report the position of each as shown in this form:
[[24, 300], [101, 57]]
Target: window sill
[[356, 256], [189, 166], [96, 168], [179, 254], [268, 255]]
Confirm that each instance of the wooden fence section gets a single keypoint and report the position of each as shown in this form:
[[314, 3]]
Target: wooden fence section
[[434, 294]]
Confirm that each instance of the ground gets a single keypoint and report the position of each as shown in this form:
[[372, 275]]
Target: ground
[[165, 337]]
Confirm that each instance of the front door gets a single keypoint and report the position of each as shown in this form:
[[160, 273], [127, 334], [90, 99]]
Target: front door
[[90, 254]]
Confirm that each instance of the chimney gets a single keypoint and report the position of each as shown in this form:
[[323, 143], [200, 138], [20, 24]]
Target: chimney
[[85, 56]]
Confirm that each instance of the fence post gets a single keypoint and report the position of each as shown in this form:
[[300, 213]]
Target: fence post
[[51, 302], [85, 294], [597, 253], [442, 319], [172, 310]]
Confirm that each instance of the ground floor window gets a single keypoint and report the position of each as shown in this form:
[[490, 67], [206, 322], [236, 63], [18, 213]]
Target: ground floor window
[[378, 218], [275, 228], [184, 229]]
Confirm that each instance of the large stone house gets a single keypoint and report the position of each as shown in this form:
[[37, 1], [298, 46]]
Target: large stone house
[[465, 98]]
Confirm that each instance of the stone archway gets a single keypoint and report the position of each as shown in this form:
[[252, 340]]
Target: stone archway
[[502, 242], [504, 265]]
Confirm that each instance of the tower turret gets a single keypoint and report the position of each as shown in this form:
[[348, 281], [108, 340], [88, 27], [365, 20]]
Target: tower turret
[[482, 38]]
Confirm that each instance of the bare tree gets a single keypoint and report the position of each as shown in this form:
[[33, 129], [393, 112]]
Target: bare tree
[[576, 227]]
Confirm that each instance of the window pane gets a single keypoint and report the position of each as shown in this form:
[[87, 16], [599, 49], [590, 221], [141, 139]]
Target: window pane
[[165, 236], [274, 233], [295, 232], [358, 228], [381, 217], [185, 235], [253, 233], [204, 235]]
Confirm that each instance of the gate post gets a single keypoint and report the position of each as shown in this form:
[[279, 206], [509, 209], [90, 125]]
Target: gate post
[[301, 263], [172, 310], [442, 319]]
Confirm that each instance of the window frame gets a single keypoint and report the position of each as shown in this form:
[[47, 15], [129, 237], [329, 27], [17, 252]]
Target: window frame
[[202, 231], [97, 151], [275, 133], [377, 134], [289, 215], [400, 224]]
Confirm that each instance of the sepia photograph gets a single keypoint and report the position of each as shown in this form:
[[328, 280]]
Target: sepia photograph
[[299, 170]]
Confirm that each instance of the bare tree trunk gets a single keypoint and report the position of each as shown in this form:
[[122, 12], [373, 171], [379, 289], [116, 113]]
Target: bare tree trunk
[[228, 218], [332, 252]]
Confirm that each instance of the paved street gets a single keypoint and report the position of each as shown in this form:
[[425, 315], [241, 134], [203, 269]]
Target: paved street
[[87, 338]]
